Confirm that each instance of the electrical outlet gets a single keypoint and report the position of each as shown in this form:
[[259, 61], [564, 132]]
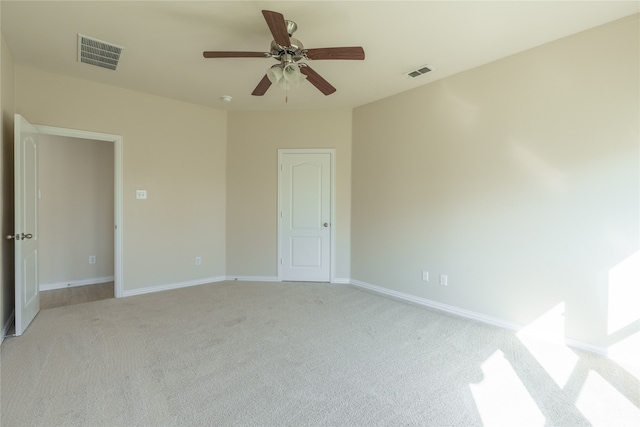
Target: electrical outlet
[[198, 260], [425, 276], [443, 280], [92, 259]]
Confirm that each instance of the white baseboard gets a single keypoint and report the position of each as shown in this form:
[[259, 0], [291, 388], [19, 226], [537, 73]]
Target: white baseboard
[[341, 281], [253, 278], [73, 283], [585, 346], [7, 326], [494, 321], [169, 286]]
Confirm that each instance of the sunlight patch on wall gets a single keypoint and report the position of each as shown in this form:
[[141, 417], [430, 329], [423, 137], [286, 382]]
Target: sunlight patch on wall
[[624, 293], [501, 398], [544, 338], [603, 405], [539, 169]]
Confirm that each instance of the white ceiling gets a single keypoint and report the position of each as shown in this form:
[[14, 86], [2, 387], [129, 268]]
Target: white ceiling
[[164, 41]]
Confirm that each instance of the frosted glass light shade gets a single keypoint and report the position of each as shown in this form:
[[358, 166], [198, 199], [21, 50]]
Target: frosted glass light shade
[[274, 74], [287, 77]]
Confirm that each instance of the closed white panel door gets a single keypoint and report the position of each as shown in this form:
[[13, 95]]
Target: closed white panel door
[[305, 216], [26, 224]]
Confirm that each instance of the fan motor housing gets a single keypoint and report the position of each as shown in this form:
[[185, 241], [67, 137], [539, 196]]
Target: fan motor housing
[[295, 50]]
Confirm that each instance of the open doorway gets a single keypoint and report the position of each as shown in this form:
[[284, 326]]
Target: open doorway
[[102, 219], [75, 220]]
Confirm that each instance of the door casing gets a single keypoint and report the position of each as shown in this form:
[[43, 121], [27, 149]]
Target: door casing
[[117, 191]]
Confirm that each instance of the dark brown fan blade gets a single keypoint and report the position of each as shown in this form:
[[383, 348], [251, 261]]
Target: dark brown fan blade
[[317, 80], [355, 52], [278, 27], [217, 54], [262, 87]]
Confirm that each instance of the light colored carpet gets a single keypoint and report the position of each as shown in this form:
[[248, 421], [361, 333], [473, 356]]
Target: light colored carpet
[[242, 353]]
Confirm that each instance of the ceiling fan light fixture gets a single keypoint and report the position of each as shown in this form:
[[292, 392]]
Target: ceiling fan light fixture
[[285, 76], [292, 74], [288, 51], [275, 74]]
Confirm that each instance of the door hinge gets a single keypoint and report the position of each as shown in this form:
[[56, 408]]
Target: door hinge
[[280, 261]]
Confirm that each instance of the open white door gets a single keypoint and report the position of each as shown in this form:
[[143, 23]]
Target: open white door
[[305, 215], [26, 223]]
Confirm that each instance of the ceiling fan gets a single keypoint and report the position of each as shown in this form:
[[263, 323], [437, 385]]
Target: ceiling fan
[[289, 52]]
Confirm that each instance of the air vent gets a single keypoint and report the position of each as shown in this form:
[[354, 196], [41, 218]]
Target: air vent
[[420, 71], [98, 53]]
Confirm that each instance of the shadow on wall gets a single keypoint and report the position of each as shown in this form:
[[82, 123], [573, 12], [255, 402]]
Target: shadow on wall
[[8, 249]]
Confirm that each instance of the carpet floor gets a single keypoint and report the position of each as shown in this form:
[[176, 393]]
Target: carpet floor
[[266, 354]]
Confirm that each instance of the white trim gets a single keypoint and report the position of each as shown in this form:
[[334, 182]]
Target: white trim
[[341, 281], [332, 198], [118, 221], [252, 278], [581, 345], [494, 321], [332, 276], [117, 190], [74, 283], [7, 326], [169, 286]]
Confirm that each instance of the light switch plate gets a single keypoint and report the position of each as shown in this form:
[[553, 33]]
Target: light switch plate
[[141, 194]]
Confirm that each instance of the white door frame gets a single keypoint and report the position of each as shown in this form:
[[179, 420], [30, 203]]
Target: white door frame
[[332, 155], [117, 190]]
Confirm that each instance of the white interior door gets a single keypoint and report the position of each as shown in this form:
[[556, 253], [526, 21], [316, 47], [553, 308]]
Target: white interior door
[[305, 215], [26, 223]]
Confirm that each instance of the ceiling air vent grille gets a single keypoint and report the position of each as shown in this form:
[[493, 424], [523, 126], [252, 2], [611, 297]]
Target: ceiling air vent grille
[[420, 71], [98, 53]]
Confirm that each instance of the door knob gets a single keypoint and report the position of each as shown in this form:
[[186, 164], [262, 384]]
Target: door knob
[[19, 236], [326, 224]]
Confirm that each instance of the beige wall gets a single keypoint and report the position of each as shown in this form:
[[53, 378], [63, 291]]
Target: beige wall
[[517, 179], [252, 183], [6, 183], [76, 209], [174, 150]]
